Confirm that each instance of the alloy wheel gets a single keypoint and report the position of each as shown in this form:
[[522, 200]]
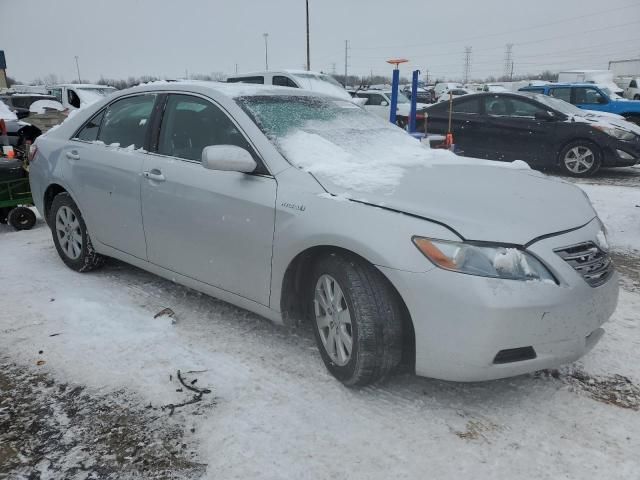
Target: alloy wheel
[[333, 320], [579, 159], [68, 232]]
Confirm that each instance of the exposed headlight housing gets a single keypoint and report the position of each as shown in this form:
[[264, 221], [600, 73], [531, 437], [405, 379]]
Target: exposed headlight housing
[[616, 132], [493, 261]]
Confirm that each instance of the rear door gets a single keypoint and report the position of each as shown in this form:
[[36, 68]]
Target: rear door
[[468, 124], [213, 226], [104, 168]]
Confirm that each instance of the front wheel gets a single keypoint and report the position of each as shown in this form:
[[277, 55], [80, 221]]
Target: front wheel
[[70, 235], [580, 158], [357, 319]]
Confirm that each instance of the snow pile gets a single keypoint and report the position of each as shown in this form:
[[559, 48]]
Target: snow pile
[[619, 209], [512, 262], [41, 106], [6, 114]]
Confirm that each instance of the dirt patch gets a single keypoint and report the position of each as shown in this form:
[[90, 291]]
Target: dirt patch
[[614, 390], [52, 430], [629, 268]]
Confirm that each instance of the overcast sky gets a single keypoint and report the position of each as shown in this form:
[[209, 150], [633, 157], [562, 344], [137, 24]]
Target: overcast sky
[[121, 38]]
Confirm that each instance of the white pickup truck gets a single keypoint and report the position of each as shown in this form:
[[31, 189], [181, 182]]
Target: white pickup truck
[[76, 95], [631, 90]]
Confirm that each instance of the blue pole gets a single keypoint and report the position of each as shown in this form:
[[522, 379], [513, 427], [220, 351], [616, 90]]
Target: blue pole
[[414, 94], [394, 95]]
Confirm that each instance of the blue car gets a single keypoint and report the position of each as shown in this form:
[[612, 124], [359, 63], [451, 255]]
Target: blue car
[[590, 97]]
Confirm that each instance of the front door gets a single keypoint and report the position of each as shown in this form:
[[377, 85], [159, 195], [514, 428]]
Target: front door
[[514, 132], [105, 167], [589, 98], [213, 226]]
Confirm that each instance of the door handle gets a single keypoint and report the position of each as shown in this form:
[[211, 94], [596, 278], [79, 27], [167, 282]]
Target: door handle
[[155, 175], [73, 155]]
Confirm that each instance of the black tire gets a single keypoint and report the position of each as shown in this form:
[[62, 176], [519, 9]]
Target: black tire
[[637, 97], [376, 319], [633, 118], [583, 145], [21, 218], [4, 213], [88, 259]]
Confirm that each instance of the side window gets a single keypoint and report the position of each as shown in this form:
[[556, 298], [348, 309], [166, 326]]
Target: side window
[[561, 93], [587, 95], [89, 132], [57, 92], [191, 123], [469, 106], [126, 121], [256, 80], [20, 102], [633, 84], [73, 98], [282, 81], [496, 106], [522, 108]]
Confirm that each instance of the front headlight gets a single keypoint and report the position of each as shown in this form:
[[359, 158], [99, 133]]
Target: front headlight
[[616, 132], [483, 260]]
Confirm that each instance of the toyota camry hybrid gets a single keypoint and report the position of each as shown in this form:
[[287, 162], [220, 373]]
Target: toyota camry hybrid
[[297, 206]]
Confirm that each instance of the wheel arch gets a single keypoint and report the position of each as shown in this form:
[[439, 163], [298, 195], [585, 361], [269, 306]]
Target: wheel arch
[[296, 277], [50, 193]]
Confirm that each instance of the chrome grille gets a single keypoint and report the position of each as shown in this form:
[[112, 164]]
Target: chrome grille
[[588, 260]]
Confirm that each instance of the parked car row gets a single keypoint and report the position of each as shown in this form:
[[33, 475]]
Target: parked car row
[[542, 130]]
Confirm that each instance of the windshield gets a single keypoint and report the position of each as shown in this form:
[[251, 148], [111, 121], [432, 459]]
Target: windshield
[[610, 93], [402, 98], [557, 104], [321, 83], [335, 138]]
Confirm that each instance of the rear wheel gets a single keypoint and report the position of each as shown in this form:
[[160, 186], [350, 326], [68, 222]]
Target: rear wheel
[[580, 158], [70, 235], [357, 319], [21, 218], [633, 118]]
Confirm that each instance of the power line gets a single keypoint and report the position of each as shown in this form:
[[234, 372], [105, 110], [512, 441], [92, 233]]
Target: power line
[[564, 20]]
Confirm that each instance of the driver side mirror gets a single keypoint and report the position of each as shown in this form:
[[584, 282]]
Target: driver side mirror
[[228, 158], [544, 115]]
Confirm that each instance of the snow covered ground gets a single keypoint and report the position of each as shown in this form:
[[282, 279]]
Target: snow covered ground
[[273, 411]]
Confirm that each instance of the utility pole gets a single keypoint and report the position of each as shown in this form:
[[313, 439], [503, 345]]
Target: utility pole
[[308, 49], [236, 68], [266, 51], [467, 64], [508, 61], [78, 68], [346, 61], [333, 68]]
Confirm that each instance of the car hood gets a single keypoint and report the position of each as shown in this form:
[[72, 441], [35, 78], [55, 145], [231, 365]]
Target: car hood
[[480, 200]]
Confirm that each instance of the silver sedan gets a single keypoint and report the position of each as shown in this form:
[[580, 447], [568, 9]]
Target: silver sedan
[[299, 206]]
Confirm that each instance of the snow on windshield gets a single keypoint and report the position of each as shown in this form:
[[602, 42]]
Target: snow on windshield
[[5, 113], [338, 140], [321, 84]]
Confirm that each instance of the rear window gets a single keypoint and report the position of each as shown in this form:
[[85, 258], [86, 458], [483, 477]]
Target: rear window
[[258, 80]]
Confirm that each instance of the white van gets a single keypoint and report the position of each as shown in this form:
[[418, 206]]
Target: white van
[[314, 81], [442, 87], [600, 77], [76, 95]]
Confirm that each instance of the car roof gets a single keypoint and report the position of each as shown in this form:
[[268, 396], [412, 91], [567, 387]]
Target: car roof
[[274, 72], [230, 90], [563, 84], [80, 85]]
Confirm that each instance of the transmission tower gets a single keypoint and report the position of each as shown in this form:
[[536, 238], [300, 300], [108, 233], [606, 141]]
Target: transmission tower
[[508, 61], [467, 64]]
